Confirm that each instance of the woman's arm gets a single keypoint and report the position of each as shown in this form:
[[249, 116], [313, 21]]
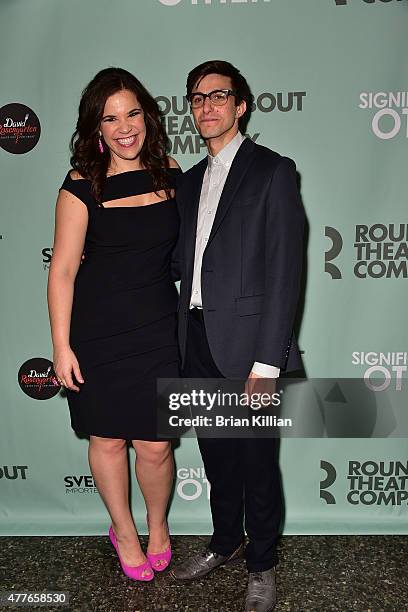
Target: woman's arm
[[175, 265], [71, 221]]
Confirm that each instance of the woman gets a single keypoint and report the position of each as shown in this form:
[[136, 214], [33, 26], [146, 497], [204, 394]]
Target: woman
[[113, 317]]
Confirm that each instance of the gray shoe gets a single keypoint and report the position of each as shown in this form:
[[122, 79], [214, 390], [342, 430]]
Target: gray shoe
[[261, 594], [203, 563]]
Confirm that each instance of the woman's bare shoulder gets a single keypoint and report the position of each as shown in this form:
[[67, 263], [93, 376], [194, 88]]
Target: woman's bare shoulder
[[172, 163], [74, 174]]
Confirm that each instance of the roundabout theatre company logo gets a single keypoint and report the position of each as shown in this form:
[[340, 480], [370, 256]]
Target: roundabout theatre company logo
[[19, 128], [37, 379], [368, 483], [13, 472], [179, 123], [380, 251]]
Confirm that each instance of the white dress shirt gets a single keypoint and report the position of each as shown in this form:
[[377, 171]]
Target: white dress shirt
[[213, 184]]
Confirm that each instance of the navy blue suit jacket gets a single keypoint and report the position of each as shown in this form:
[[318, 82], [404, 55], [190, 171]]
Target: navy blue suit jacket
[[252, 263]]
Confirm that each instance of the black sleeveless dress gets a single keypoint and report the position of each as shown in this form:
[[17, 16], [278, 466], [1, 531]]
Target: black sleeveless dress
[[123, 322]]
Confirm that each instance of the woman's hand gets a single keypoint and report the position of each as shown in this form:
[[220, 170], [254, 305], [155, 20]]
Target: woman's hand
[[66, 364]]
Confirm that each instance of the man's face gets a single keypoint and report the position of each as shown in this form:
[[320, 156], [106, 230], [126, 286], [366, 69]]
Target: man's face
[[217, 121]]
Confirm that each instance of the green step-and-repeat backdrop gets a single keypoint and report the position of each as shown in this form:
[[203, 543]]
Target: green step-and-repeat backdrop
[[330, 87]]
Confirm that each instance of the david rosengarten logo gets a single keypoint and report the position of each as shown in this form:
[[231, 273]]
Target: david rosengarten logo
[[19, 128], [219, 408], [37, 379]]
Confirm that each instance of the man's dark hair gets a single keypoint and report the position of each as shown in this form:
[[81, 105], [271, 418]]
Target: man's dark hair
[[238, 82]]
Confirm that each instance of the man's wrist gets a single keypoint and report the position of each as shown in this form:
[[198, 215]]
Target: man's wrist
[[266, 370]]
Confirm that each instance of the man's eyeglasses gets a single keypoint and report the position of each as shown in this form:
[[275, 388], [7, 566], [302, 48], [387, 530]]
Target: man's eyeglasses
[[218, 97]]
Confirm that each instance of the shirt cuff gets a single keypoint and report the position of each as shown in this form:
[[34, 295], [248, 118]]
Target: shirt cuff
[[265, 370]]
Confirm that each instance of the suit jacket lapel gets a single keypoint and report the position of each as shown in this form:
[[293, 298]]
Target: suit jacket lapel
[[238, 170], [193, 192]]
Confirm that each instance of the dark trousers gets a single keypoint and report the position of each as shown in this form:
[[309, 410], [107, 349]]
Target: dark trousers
[[243, 474]]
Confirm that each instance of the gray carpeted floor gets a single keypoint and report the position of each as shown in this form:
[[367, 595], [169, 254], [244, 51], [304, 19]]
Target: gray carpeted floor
[[316, 573]]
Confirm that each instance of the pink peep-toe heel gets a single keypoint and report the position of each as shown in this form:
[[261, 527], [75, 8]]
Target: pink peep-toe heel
[[159, 561], [134, 572]]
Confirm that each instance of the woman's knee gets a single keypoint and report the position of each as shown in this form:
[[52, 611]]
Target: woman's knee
[[107, 445], [153, 452]]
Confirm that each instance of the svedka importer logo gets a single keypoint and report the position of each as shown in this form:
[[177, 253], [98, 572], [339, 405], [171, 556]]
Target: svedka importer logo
[[179, 122], [19, 128], [380, 251], [46, 257], [210, 2], [389, 112], [37, 379], [81, 484]]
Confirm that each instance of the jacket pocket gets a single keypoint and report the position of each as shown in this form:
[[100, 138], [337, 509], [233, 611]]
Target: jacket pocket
[[249, 305]]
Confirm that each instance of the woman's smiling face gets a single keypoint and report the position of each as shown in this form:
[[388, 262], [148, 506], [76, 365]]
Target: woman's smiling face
[[123, 126]]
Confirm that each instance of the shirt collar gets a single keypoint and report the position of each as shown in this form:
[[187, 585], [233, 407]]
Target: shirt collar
[[227, 154]]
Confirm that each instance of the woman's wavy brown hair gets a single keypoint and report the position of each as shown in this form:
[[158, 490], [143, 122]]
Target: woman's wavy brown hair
[[86, 157]]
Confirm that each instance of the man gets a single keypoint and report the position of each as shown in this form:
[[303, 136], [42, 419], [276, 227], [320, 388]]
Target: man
[[239, 258]]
